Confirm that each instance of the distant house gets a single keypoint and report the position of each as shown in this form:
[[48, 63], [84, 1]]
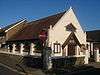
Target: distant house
[[61, 32], [93, 39], [9, 31]]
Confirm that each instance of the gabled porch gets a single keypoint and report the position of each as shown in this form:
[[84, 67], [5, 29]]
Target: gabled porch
[[71, 48]]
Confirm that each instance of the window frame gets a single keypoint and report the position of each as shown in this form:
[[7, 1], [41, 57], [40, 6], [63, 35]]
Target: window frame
[[58, 49]]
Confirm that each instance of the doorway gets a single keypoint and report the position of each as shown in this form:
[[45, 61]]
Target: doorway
[[71, 49]]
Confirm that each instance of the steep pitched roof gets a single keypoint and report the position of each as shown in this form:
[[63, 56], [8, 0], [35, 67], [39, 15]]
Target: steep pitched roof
[[32, 30], [93, 36]]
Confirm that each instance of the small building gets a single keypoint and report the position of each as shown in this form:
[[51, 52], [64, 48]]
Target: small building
[[93, 40], [61, 32]]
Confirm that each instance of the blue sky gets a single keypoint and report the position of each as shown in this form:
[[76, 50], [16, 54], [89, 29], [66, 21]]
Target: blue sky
[[87, 11]]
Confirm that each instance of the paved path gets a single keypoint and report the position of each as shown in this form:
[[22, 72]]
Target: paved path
[[4, 70], [96, 65], [88, 72]]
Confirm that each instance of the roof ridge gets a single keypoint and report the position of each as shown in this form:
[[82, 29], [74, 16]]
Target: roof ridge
[[48, 16]]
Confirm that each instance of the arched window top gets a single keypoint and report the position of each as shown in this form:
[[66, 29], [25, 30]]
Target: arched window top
[[70, 27]]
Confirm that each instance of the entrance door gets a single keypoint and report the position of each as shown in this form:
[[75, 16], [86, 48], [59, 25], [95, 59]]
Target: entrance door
[[71, 50], [64, 52]]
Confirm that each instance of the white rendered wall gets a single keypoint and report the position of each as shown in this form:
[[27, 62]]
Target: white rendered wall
[[59, 33]]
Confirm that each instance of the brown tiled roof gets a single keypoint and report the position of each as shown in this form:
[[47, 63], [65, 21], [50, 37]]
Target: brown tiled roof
[[93, 36], [32, 30]]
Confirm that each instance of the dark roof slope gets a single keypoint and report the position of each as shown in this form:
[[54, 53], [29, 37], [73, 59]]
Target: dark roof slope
[[32, 30], [93, 36]]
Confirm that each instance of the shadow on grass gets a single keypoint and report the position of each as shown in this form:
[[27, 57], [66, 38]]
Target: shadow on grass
[[75, 70], [30, 61]]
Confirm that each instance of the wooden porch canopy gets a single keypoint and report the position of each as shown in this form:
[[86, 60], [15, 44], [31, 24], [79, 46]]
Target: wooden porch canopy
[[71, 36]]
